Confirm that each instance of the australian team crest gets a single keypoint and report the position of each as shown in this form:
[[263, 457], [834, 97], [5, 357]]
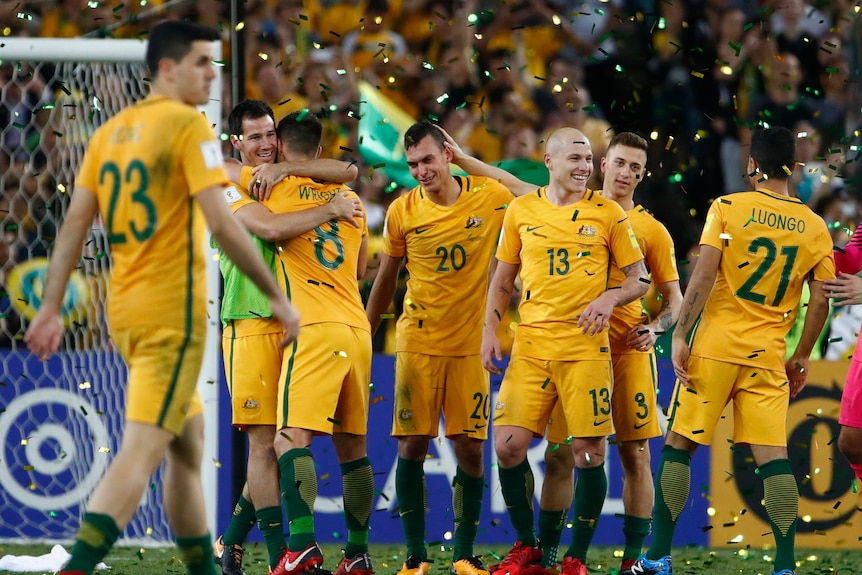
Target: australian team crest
[[474, 222], [586, 231]]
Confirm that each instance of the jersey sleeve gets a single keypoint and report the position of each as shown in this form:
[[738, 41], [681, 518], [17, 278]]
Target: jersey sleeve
[[245, 177], [394, 244], [623, 242], [509, 247], [237, 197], [201, 158], [825, 268], [660, 255], [713, 229]]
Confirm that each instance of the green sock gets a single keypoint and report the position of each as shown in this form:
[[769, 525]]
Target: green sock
[[635, 530], [591, 488], [671, 493], [781, 497], [95, 537], [241, 522], [410, 490], [197, 554], [357, 480], [271, 524], [298, 491], [516, 483], [551, 524], [467, 505]]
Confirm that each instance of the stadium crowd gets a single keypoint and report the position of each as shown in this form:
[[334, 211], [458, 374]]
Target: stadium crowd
[[691, 76]]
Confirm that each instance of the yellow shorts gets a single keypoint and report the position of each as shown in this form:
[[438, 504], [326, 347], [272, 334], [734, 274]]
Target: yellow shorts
[[531, 387], [759, 396], [325, 379], [427, 384], [252, 365], [164, 365], [633, 401]]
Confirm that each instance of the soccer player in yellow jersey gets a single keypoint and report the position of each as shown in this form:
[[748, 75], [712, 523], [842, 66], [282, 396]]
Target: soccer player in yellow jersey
[[562, 240], [250, 338], [446, 228], [633, 400], [325, 377], [756, 250], [150, 171]]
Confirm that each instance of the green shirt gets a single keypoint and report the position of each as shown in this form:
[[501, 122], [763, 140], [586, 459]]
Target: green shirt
[[241, 298]]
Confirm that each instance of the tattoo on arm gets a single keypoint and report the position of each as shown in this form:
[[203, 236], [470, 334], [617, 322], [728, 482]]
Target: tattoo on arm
[[636, 269], [683, 323], [685, 320], [665, 321], [665, 317], [505, 291]]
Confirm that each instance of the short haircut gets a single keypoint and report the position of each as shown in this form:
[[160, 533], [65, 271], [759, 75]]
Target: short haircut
[[247, 110], [300, 132], [419, 131], [173, 39], [774, 150], [629, 140]]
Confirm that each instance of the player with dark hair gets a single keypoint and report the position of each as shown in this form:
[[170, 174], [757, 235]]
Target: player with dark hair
[[446, 228], [325, 377], [150, 171], [756, 250], [252, 356]]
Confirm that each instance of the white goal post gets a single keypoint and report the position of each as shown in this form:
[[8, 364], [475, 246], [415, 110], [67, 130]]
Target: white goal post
[[60, 422]]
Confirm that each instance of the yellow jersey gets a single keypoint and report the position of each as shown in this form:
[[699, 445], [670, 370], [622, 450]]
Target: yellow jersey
[[565, 254], [448, 251], [145, 165], [659, 256], [317, 268], [770, 244]]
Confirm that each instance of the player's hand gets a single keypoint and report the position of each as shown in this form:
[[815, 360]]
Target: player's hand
[[286, 313], [491, 351], [846, 289], [641, 338], [797, 374], [44, 334], [265, 177], [457, 152], [597, 314], [679, 355], [346, 208]]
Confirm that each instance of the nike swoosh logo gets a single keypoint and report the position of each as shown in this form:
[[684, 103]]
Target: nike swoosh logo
[[423, 230], [354, 563], [602, 422], [531, 228], [292, 565], [639, 425]]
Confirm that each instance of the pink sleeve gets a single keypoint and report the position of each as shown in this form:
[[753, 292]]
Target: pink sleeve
[[849, 258]]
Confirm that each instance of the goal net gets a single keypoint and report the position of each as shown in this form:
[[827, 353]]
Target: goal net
[[60, 421]]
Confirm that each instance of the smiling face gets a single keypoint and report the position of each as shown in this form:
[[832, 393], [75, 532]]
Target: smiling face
[[569, 159], [258, 143], [623, 168], [429, 164]]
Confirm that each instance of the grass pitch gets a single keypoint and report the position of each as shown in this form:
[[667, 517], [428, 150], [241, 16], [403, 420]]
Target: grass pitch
[[388, 559]]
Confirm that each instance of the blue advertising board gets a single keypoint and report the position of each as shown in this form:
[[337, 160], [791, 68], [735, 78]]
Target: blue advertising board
[[440, 472]]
